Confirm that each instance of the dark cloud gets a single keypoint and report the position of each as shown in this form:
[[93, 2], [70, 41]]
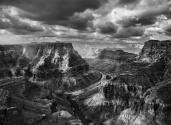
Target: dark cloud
[[107, 28], [53, 11], [144, 20], [146, 17], [123, 2], [23, 31], [168, 30], [3, 24], [118, 18], [16, 26], [128, 32], [11, 2], [81, 20]]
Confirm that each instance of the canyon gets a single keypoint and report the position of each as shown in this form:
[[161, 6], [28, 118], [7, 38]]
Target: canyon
[[50, 83]]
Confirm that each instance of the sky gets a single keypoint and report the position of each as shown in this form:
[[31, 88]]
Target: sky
[[89, 24]]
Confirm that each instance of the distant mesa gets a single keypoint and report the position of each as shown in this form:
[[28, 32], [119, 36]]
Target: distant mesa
[[109, 60], [118, 55]]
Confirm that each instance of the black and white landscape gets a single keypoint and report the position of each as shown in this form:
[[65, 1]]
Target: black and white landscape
[[85, 62]]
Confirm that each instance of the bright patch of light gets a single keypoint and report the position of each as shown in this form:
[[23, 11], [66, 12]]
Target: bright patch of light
[[96, 100], [120, 13], [12, 11], [2, 31]]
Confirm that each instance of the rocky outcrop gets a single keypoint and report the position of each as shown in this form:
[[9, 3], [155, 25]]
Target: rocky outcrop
[[158, 55]]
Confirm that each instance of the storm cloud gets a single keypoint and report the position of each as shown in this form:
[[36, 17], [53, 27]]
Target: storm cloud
[[18, 25], [123, 2], [107, 28], [81, 20], [114, 18], [129, 32], [52, 11], [168, 29]]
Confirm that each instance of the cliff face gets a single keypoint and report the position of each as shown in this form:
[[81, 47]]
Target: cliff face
[[154, 50], [159, 53]]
